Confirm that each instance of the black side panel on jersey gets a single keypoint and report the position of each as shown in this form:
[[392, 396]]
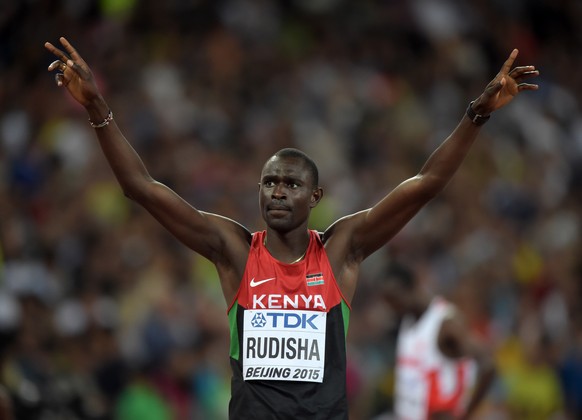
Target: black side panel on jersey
[[285, 400]]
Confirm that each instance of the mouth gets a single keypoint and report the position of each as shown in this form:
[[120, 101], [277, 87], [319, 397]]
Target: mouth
[[278, 210], [277, 207]]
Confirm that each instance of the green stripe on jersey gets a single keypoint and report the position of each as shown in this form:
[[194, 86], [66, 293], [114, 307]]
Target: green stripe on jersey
[[346, 317], [234, 347]]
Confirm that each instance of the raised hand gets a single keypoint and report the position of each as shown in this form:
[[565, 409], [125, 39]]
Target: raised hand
[[505, 86], [73, 73]]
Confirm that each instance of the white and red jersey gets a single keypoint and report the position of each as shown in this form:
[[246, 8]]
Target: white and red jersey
[[426, 380]]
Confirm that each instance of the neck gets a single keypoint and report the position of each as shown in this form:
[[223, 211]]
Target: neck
[[287, 250], [300, 258]]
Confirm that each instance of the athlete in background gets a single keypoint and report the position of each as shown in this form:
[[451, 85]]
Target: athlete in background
[[442, 370], [288, 289]]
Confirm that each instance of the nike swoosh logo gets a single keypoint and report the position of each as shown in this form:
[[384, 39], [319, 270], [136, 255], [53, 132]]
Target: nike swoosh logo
[[254, 283]]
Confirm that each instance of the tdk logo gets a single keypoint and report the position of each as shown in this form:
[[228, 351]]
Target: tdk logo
[[258, 320], [285, 320]]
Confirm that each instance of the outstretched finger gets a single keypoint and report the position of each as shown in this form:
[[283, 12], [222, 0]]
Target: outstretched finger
[[76, 62], [527, 86], [526, 75], [517, 71], [60, 54], [70, 49], [509, 62], [529, 74]]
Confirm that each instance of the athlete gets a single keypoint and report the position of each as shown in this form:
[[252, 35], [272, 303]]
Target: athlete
[[442, 370], [288, 289]]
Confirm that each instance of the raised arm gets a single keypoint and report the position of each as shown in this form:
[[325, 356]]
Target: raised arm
[[373, 228], [208, 234]]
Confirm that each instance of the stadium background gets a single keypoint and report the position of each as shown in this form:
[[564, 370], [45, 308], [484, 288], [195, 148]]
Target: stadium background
[[113, 315]]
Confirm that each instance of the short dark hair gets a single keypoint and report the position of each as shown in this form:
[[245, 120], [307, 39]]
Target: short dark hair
[[290, 152], [400, 274]]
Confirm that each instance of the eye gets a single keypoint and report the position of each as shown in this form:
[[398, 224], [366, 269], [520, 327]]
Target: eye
[[269, 184], [292, 185]]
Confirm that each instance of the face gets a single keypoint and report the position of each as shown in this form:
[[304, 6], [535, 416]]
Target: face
[[287, 193]]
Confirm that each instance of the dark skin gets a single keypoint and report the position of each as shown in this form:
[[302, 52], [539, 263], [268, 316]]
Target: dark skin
[[226, 243], [454, 341]]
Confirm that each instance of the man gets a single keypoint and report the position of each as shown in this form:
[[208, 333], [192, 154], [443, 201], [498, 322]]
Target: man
[[436, 355], [288, 289]]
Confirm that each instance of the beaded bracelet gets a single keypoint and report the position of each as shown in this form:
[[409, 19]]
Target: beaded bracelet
[[105, 122]]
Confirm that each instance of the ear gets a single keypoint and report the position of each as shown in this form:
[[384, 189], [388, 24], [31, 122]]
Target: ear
[[316, 196]]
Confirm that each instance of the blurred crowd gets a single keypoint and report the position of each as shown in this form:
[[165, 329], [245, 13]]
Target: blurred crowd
[[104, 315]]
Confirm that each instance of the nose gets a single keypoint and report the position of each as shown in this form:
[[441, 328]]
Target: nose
[[279, 191]]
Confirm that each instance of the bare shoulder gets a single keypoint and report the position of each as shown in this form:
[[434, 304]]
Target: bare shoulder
[[340, 239], [231, 256], [345, 226], [343, 252], [232, 240], [228, 225]]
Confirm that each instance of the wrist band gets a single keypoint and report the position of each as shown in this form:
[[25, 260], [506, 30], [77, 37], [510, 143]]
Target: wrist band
[[103, 123], [477, 119]]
